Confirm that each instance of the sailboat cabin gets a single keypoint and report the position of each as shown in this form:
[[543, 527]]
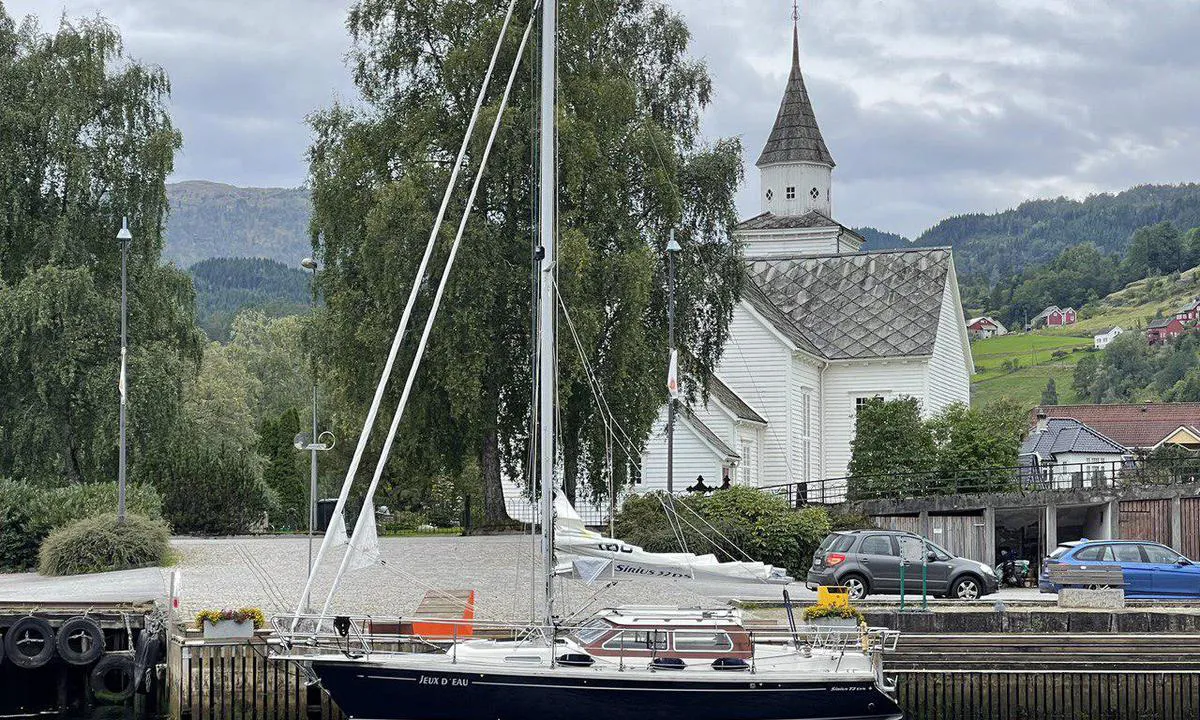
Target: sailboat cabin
[[820, 329]]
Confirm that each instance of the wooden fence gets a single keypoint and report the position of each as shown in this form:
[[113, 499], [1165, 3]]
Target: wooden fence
[[236, 680], [1049, 695]]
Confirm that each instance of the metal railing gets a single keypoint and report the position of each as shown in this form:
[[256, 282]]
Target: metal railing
[[358, 637], [1032, 477]]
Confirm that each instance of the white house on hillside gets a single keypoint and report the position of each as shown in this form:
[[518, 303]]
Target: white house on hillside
[[820, 329], [1102, 340]]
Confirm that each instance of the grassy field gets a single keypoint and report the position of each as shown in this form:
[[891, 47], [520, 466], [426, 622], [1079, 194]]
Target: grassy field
[[1132, 308]]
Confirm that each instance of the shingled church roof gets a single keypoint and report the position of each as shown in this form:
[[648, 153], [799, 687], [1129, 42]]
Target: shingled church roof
[[795, 137], [853, 306]]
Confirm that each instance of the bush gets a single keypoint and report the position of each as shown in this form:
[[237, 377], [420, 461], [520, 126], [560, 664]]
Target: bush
[[100, 544], [760, 524], [214, 493], [444, 506], [28, 514], [404, 521]]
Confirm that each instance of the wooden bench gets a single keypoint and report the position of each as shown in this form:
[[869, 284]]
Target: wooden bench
[[1096, 576]]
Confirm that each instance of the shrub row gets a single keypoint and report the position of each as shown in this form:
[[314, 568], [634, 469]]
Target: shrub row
[[28, 514], [742, 519]]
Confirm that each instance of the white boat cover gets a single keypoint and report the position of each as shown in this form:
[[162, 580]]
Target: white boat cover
[[594, 557]]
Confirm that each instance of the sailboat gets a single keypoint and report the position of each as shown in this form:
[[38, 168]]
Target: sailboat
[[631, 663]]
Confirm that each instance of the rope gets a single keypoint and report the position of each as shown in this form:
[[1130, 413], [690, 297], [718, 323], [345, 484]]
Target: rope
[[437, 301], [385, 378]]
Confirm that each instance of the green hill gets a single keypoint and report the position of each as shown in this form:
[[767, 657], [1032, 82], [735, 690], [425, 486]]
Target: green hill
[[1004, 243], [211, 220], [1016, 366], [225, 286], [880, 240]]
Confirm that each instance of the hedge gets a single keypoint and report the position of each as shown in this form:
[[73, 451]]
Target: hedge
[[101, 544], [29, 513]]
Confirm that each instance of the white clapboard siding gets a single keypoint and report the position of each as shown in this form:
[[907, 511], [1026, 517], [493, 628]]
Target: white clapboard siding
[[755, 365], [847, 380], [949, 379], [803, 382], [692, 457]]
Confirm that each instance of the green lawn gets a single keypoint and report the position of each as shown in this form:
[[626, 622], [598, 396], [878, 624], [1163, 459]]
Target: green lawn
[[1029, 349], [1025, 386]]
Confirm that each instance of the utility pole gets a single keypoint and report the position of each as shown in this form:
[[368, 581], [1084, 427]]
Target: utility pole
[[311, 264], [125, 238], [672, 249]]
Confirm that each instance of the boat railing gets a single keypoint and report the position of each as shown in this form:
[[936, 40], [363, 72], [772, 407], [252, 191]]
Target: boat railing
[[357, 636]]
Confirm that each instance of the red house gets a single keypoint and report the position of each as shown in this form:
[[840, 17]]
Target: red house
[[1054, 316], [1189, 313], [1164, 330]]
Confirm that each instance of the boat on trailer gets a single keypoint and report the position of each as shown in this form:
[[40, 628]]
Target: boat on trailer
[[636, 663]]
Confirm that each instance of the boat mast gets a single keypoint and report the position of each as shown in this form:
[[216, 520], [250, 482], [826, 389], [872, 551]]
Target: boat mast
[[548, 184]]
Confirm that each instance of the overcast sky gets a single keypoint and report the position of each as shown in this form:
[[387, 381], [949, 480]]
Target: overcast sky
[[930, 107]]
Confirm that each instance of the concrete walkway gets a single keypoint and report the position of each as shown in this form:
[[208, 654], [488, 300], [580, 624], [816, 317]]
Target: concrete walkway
[[128, 587]]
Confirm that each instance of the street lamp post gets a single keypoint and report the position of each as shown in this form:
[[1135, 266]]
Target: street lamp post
[[311, 264], [125, 238], [672, 249]]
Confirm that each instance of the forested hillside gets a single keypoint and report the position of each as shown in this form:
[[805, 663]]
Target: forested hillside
[[225, 286], [1037, 231], [880, 240], [210, 220]]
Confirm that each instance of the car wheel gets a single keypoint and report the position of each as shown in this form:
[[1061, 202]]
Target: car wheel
[[966, 588], [856, 586]]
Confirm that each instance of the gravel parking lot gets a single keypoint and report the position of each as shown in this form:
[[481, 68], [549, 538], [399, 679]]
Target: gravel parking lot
[[269, 572]]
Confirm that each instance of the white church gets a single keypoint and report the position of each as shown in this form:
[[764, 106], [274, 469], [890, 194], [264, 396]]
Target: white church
[[820, 329]]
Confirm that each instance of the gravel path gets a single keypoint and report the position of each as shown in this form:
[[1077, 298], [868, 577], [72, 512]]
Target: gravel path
[[270, 573]]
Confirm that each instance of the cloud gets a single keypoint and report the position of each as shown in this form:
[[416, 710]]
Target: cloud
[[930, 107]]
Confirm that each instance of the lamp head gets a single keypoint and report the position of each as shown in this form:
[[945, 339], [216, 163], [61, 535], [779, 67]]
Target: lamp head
[[673, 246], [308, 264], [123, 234]]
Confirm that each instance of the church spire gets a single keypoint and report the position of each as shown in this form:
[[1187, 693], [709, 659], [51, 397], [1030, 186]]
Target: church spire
[[796, 136]]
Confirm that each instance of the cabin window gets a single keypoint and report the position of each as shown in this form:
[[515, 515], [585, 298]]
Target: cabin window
[[791, 193], [708, 641], [637, 640], [592, 631]]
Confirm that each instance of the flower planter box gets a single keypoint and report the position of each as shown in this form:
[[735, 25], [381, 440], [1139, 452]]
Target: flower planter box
[[229, 630]]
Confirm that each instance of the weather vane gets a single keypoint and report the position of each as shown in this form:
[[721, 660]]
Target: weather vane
[[796, 10]]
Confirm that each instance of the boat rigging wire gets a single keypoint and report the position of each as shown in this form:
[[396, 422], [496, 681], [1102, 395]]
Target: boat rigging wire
[[360, 524], [384, 379]]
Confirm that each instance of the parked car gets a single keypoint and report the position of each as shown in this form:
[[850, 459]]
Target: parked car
[[868, 561], [1151, 570]]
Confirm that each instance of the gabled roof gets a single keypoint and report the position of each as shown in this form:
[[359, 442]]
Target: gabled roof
[[1134, 426], [1047, 311], [812, 219], [795, 137], [1067, 435], [1160, 323], [1109, 331], [706, 434], [723, 394], [853, 306]]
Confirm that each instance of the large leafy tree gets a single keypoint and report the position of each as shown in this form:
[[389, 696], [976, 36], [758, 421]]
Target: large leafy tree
[[632, 170], [85, 138]]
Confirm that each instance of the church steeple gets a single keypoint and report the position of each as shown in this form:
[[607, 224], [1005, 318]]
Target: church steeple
[[796, 136], [796, 168]]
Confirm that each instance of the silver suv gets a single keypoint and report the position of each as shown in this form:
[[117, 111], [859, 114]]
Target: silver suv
[[868, 561]]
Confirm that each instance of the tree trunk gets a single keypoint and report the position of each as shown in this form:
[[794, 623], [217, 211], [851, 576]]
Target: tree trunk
[[489, 466], [570, 469]]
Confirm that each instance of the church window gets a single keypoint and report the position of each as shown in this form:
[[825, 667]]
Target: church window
[[791, 193], [860, 402], [814, 193], [770, 195]]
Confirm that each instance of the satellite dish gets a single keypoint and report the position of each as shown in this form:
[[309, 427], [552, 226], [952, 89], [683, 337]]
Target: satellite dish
[[302, 440]]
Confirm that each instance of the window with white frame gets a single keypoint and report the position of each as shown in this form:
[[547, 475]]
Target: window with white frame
[[806, 435], [861, 401]]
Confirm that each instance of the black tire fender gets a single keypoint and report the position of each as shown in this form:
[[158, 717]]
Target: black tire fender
[[146, 655], [29, 643], [80, 641], [120, 667]]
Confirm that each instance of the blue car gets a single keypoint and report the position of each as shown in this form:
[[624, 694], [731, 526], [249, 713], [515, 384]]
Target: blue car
[[1151, 570]]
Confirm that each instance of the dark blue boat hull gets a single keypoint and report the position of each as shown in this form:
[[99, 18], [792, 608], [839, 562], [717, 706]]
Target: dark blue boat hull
[[369, 692]]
